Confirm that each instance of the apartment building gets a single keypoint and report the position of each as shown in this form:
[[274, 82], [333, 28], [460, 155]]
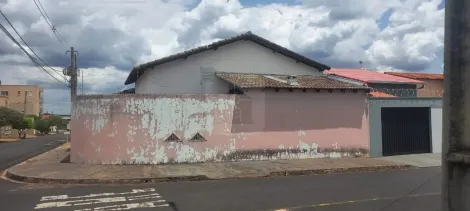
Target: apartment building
[[3, 101], [22, 98]]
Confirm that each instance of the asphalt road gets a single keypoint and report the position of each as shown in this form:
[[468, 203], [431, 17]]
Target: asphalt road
[[16, 152], [375, 191]]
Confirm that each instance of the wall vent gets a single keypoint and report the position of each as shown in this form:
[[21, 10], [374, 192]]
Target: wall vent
[[173, 138], [197, 138]]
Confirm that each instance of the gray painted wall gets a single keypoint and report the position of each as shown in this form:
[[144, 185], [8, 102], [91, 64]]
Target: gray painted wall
[[436, 127], [375, 120]]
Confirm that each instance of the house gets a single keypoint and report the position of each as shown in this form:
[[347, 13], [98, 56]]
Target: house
[[383, 85], [434, 86], [193, 71], [23, 98], [242, 98], [398, 126]]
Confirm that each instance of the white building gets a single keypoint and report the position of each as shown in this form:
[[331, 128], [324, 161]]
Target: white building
[[193, 71]]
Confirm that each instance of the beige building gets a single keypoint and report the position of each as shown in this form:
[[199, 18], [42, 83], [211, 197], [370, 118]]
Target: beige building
[[27, 98], [434, 83], [3, 101]]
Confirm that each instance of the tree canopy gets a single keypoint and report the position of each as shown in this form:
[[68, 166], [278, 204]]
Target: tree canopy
[[25, 123], [42, 125], [55, 120], [10, 117]]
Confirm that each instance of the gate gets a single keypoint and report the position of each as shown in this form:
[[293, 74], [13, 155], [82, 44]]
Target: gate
[[406, 130]]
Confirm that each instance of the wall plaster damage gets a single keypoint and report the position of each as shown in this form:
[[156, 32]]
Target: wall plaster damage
[[159, 129]]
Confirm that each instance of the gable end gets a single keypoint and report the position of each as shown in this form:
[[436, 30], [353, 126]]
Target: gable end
[[139, 70]]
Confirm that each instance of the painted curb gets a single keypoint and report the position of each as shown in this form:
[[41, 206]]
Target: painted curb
[[29, 179]]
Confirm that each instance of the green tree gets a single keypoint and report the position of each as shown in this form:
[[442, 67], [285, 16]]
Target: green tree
[[42, 126], [9, 117], [25, 123], [33, 116], [55, 120], [21, 126]]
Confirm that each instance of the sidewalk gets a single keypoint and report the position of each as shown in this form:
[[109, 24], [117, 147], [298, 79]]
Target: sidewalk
[[47, 168]]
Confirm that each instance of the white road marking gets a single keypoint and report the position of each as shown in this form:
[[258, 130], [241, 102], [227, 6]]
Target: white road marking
[[60, 197], [140, 196], [149, 204], [150, 197], [100, 198], [74, 203]]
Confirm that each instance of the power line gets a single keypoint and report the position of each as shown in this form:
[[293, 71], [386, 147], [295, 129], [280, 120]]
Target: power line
[[14, 29], [48, 21], [27, 53]]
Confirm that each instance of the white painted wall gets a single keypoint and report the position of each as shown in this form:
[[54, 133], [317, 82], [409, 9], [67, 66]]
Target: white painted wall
[[436, 127], [184, 76]]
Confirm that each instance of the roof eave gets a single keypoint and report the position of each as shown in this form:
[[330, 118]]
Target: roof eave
[[396, 82]]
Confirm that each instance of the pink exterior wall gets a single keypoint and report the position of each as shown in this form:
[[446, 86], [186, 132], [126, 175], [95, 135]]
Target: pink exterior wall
[[133, 128]]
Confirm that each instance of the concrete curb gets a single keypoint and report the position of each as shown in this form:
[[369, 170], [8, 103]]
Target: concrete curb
[[29, 179]]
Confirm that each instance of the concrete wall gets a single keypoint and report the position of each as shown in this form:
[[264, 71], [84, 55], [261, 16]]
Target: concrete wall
[[184, 75], [261, 125], [375, 106], [436, 127], [432, 88]]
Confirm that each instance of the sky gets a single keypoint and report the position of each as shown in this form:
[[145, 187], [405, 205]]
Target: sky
[[112, 36]]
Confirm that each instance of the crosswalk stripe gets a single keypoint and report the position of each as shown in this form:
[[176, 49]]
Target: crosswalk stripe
[[61, 197], [149, 204]]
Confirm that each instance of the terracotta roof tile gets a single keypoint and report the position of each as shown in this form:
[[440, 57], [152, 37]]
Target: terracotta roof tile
[[422, 76], [280, 81], [380, 94], [368, 76]]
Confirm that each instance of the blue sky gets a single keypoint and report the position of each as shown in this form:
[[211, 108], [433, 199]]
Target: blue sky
[[121, 36]]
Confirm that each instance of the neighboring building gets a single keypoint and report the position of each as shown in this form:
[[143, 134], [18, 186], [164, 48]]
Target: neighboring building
[[383, 85], [193, 71], [3, 101], [23, 98], [434, 86], [242, 98]]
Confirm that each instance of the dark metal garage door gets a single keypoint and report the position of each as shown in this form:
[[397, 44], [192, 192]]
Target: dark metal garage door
[[406, 130]]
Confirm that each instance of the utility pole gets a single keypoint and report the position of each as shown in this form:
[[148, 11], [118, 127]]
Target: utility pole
[[72, 72], [456, 108]]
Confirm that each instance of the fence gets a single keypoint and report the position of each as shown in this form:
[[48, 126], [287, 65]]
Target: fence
[[418, 93]]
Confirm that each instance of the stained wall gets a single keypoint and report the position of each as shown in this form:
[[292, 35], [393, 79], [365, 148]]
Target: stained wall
[[260, 125]]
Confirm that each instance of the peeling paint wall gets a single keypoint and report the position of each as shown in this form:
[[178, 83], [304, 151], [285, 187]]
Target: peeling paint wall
[[135, 129]]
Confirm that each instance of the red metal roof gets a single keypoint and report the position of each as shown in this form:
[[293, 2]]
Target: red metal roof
[[423, 76], [368, 76]]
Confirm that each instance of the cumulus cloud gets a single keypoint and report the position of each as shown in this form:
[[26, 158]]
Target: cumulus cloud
[[112, 36]]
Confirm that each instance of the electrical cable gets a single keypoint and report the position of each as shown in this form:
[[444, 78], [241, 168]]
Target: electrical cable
[[29, 55], [14, 29], [48, 21]]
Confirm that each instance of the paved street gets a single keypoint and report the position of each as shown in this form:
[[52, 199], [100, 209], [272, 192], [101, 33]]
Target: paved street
[[405, 190], [15, 152]]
